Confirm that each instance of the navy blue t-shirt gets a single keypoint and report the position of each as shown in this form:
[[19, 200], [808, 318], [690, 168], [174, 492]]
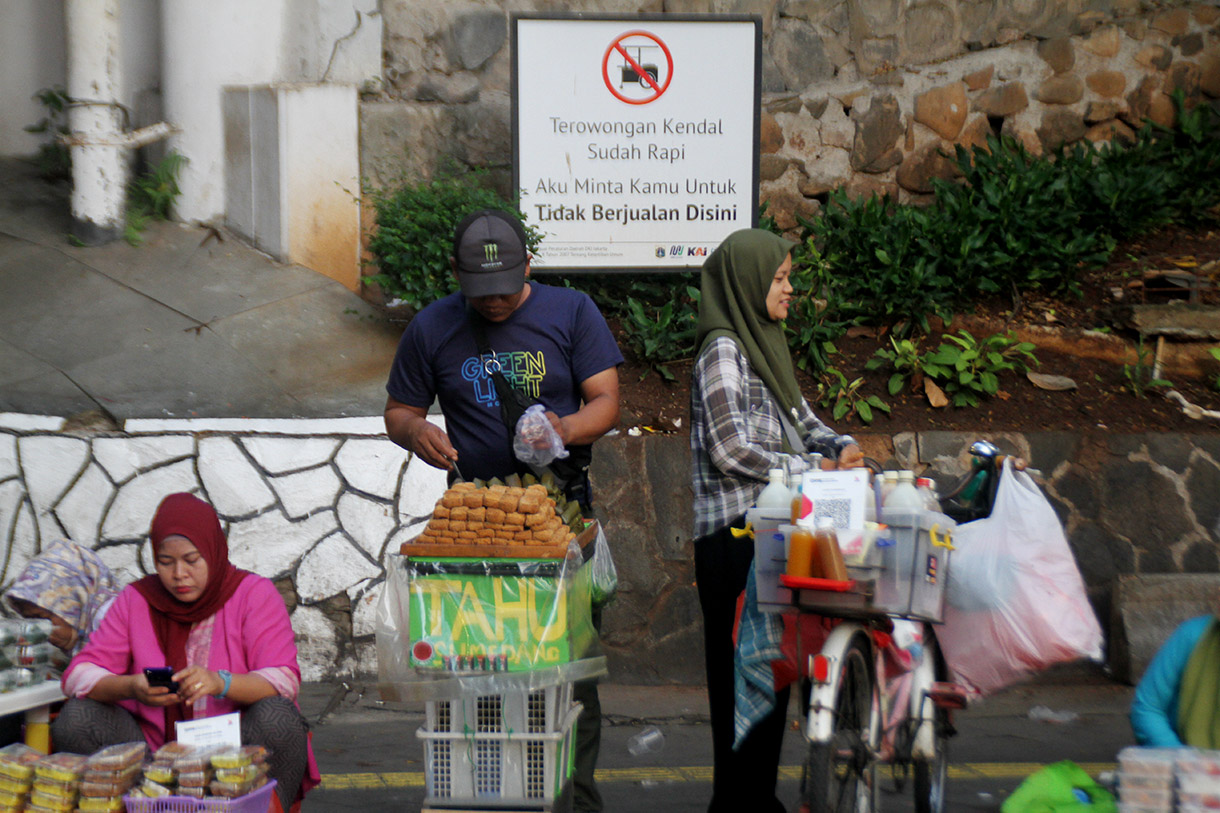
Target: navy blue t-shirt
[[556, 339]]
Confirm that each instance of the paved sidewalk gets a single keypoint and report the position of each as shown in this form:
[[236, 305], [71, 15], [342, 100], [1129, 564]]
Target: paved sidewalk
[[193, 323]]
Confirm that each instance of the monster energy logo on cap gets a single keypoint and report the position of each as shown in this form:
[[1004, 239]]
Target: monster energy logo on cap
[[489, 254]]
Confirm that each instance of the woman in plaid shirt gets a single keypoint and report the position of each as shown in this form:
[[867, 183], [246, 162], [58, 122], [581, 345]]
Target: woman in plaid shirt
[[744, 392]]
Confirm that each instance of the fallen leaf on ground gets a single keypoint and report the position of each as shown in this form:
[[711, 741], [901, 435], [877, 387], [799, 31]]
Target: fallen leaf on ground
[[936, 396], [1055, 383]]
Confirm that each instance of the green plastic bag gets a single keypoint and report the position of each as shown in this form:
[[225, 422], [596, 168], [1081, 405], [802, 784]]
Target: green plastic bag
[[1063, 787]]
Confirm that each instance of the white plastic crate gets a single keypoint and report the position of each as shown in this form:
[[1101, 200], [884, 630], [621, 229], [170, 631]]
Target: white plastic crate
[[541, 711], [914, 568], [513, 769]]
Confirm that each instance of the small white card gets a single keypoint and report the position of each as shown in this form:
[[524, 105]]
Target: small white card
[[841, 496], [211, 731]]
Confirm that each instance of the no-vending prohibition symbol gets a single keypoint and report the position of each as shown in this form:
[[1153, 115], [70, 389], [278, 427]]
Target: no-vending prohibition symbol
[[638, 77]]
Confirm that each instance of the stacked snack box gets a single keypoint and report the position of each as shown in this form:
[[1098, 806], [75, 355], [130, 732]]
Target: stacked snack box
[[109, 774], [1146, 779], [202, 773], [16, 775], [238, 771], [56, 785], [1198, 779]]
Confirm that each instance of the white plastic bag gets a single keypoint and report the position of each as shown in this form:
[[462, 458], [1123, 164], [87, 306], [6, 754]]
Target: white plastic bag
[[536, 441], [605, 574], [1016, 601]]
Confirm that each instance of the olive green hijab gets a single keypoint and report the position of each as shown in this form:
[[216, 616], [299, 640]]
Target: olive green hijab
[[1198, 714], [733, 302]]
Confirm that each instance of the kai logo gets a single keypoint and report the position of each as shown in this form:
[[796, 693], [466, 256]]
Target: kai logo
[[696, 251], [491, 252]]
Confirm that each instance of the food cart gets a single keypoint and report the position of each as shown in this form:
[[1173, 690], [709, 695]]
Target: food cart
[[490, 637]]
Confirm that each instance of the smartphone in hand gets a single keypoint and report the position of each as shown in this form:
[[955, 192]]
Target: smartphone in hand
[[161, 676]]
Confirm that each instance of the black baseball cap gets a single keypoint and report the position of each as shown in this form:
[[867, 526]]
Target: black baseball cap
[[489, 251]]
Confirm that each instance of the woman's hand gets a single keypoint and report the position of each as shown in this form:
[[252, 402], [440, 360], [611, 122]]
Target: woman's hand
[[850, 457], [196, 683], [150, 695]]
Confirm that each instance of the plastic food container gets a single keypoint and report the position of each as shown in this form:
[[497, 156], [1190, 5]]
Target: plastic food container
[[1137, 761], [160, 773], [153, 790], [103, 804], [117, 757], [126, 775], [49, 802], [17, 761], [1147, 796], [1196, 762], [194, 779], [199, 759], [60, 767]]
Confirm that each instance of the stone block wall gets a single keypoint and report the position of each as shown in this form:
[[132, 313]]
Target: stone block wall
[[317, 506], [862, 94]]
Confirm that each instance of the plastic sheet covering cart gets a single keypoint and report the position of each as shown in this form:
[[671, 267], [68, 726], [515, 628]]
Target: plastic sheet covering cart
[[491, 647]]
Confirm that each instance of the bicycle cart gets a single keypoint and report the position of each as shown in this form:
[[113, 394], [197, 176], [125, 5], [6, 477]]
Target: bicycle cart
[[846, 719]]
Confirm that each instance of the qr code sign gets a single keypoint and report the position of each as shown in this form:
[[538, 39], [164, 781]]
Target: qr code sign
[[838, 510]]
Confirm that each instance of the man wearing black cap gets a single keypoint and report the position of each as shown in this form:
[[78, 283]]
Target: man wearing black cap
[[552, 346]]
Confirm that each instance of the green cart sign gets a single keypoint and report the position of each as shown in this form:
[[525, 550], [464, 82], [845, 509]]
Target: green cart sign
[[492, 614]]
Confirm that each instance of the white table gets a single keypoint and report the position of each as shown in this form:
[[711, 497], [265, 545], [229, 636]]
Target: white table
[[36, 702]]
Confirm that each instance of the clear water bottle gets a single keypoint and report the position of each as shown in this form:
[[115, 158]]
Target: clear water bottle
[[926, 487]]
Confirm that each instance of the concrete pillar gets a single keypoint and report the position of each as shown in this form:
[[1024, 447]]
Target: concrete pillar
[[99, 167]]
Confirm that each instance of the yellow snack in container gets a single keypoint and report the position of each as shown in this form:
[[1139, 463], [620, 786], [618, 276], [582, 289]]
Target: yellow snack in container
[[17, 787], [160, 773], [48, 802], [11, 799], [194, 793], [59, 790], [102, 804], [17, 761], [154, 790], [230, 790], [60, 767], [199, 759]]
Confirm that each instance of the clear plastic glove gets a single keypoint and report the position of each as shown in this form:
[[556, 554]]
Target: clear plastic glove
[[536, 441]]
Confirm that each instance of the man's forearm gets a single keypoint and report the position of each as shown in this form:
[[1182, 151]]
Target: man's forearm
[[591, 421]]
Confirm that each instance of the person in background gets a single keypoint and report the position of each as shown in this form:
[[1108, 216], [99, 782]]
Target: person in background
[[1177, 701], [747, 416], [68, 585], [226, 634], [553, 347]]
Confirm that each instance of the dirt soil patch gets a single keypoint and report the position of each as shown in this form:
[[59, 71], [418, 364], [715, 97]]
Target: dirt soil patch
[[1170, 265]]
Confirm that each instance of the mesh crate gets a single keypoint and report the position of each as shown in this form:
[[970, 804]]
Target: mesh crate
[[505, 769], [256, 801], [541, 711]]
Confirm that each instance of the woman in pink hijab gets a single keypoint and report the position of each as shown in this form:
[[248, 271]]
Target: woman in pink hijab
[[225, 633]]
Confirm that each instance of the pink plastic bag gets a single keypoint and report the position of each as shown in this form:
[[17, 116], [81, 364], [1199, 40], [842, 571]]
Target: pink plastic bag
[[1016, 603]]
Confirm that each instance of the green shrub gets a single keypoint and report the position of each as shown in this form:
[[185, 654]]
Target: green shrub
[[151, 195], [414, 237]]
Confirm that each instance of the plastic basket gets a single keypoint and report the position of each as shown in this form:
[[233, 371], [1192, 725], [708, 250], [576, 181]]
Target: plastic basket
[[914, 565], [542, 711], [256, 801], [504, 769]]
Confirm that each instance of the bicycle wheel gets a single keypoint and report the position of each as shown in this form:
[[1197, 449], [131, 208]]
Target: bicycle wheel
[[930, 772], [840, 775]]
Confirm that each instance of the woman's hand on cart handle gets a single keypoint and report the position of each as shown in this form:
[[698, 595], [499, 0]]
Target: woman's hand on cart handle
[[850, 457]]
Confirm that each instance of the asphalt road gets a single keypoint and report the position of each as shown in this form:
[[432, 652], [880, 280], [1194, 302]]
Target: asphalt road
[[371, 758]]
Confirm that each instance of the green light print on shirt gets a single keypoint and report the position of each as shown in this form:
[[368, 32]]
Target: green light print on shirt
[[523, 369]]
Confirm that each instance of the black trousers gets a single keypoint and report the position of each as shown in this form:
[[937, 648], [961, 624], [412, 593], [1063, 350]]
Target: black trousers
[[743, 779]]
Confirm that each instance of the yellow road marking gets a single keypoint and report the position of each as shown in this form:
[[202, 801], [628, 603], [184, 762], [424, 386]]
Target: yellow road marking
[[696, 773]]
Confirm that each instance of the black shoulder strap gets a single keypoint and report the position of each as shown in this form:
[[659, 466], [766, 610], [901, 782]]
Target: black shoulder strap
[[571, 473]]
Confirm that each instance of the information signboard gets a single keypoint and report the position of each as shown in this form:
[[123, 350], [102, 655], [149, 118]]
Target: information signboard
[[635, 139]]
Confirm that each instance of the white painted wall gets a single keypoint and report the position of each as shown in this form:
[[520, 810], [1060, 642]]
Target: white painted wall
[[208, 46], [32, 46], [32, 49]]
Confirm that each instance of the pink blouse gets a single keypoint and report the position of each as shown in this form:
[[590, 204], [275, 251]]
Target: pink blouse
[[251, 633]]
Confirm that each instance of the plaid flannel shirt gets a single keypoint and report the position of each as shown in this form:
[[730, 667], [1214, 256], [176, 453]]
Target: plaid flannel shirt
[[736, 436]]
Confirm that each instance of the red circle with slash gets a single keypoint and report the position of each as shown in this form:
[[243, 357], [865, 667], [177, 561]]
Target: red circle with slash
[[642, 75]]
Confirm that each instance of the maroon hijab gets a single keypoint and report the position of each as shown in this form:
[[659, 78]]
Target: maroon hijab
[[187, 515]]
